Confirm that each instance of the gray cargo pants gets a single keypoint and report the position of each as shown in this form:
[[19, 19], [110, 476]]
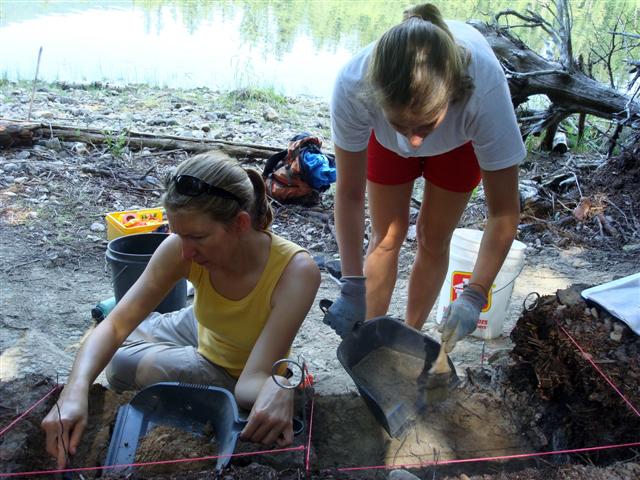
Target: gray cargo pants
[[164, 348]]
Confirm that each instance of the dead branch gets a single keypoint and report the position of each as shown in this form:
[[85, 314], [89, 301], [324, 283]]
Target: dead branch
[[13, 133], [604, 54], [625, 34], [563, 82], [533, 20], [570, 92], [564, 22]]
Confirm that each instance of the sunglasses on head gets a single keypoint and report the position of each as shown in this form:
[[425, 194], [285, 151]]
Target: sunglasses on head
[[194, 187]]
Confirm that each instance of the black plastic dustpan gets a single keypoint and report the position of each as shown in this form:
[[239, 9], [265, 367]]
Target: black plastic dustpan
[[395, 404], [192, 408]]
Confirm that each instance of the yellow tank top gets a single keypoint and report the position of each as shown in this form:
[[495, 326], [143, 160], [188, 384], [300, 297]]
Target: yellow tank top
[[228, 329]]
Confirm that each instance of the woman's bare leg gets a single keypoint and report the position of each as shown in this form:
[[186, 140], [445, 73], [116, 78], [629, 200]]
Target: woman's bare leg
[[439, 215], [389, 212]]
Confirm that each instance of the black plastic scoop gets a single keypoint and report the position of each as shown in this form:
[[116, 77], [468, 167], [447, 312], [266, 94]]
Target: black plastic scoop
[[386, 360], [197, 409], [192, 408]]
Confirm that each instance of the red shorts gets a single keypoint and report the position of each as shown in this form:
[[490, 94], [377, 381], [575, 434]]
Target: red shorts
[[456, 170]]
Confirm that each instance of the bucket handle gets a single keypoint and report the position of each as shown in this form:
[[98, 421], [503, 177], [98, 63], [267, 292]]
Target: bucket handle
[[510, 281], [531, 301], [299, 364], [119, 273], [324, 305], [106, 266]]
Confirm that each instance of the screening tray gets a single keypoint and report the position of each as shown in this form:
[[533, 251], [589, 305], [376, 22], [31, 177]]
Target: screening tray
[[196, 409], [192, 408], [392, 386]]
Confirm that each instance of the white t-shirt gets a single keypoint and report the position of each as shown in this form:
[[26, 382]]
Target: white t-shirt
[[486, 119]]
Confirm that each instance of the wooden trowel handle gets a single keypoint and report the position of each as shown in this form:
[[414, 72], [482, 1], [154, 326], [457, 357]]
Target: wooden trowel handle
[[441, 365]]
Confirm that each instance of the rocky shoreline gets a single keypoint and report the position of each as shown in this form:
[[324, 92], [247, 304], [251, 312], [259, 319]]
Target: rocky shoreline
[[247, 116]]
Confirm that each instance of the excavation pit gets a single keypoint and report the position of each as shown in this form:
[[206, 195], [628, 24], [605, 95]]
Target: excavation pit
[[542, 396]]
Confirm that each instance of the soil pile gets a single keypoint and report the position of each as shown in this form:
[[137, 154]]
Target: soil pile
[[165, 443], [580, 408], [619, 178]]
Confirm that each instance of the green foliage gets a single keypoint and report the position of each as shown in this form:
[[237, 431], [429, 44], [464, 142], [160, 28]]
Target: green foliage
[[253, 96], [116, 144], [532, 143], [592, 139]]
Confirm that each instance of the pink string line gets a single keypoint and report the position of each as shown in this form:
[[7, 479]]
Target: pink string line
[[27, 411], [307, 461], [145, 464], [345, 469], [160, 462], [587, 357], [489, 459]]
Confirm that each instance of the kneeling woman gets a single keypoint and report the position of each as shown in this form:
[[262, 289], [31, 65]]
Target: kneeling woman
[[253, 291]]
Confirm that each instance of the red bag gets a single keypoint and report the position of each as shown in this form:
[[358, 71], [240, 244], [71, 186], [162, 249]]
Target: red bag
[[284, 174]]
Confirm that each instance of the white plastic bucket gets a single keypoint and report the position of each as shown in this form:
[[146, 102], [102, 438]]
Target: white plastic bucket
[[465, 245]]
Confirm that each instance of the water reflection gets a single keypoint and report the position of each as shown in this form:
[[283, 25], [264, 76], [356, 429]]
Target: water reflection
[[294, 46]]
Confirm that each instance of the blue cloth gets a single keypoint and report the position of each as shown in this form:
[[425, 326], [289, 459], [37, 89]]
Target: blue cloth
[[321, 172]]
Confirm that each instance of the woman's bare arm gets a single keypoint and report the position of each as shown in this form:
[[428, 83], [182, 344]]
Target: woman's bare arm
[[349, 208], [271, 406]]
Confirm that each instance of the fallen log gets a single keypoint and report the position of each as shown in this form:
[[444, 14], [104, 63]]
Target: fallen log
[[563, 81], [569, 91], [17, 133]]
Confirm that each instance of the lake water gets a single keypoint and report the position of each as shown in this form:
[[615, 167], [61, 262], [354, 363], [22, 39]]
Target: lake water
[[292, 46]]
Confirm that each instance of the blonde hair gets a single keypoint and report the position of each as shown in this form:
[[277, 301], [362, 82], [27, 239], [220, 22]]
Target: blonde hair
[[218, 170], [418, 65]]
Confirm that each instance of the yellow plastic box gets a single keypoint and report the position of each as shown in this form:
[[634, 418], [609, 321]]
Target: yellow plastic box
[[134, 221]]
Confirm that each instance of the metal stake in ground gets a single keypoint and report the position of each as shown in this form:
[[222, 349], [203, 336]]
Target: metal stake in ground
[[35, 79]]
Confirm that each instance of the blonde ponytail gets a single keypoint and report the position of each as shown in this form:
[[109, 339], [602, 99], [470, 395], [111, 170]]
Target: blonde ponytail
[[417, 64], [262, 215]]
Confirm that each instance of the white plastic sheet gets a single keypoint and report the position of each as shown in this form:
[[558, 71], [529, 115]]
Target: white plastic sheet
[[621, 298]]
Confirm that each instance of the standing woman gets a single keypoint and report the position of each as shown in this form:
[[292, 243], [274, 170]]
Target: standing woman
[[253, 290], [429, 99]]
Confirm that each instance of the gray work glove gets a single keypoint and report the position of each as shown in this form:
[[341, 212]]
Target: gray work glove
[[349, 308], [462, 317]]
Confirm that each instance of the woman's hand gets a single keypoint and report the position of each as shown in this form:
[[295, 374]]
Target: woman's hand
[[349, 308], [462, 317], [65, 424], [271, 418]]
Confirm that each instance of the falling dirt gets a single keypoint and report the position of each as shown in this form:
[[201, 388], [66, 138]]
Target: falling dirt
[[468, 424], [392, 376]]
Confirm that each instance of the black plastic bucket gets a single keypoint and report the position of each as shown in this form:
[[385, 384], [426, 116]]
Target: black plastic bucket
[[129, 256]]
